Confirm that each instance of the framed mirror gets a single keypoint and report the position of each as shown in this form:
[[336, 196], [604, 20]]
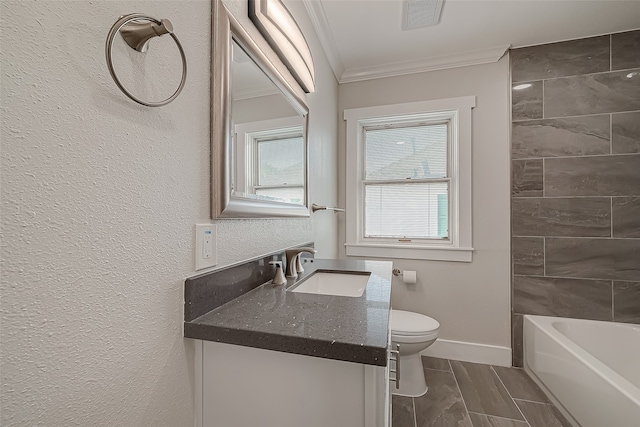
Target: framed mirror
[[259, 130]]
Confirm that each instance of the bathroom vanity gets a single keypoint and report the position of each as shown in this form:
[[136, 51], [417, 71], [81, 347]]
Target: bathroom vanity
[[274, 356]]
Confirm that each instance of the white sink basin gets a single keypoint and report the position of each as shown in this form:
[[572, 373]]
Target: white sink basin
[[329, 283]]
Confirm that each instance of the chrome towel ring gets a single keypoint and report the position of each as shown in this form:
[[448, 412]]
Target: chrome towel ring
[[137, 35]]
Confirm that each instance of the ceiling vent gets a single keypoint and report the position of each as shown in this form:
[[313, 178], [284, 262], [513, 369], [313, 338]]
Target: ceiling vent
[[421, 13]]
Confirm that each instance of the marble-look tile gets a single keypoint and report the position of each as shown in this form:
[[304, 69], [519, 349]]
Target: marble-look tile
[[541, 415], [569, 58], [575, 136], [548, 296], [625, 50], [592, 94], [573, 216], [436, 363], [626, 302], [526, 101], [613, 259], [520, 385], [626, 217], [625, 130], [527, 254], [526, 178], [402, 411], [617, 175], [482, 390], [517, 352], [481, 420], [442, 405]]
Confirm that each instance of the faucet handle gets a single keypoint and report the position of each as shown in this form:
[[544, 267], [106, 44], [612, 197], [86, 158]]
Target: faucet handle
[[279, 278], [299, 268], [294, 266]]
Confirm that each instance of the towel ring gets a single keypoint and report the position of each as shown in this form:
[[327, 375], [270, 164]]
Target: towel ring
[[137, 36]]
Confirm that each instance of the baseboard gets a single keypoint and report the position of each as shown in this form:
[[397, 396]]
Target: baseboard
[[470, 352]]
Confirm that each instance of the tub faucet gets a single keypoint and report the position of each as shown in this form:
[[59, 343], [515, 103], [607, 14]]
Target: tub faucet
[[294, 266]]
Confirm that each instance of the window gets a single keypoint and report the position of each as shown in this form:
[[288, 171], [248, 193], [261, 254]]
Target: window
[[280, 167], [270, 159], [409, 180]]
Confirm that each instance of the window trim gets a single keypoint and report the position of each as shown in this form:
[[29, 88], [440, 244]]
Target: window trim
[[247, 136], [459, 247]]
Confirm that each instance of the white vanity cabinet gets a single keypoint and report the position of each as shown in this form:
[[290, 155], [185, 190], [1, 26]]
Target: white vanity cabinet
[[246, 387]]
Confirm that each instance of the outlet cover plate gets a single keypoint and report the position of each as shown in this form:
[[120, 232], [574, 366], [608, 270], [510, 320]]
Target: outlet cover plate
[[206, 253]]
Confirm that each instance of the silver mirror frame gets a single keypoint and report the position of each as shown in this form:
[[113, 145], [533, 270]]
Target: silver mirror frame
[[224, 204]]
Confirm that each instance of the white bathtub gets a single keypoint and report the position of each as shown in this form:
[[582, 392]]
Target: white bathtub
[[590, 368]]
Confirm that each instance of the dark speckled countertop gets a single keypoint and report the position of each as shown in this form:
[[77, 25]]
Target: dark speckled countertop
[[353, 329]]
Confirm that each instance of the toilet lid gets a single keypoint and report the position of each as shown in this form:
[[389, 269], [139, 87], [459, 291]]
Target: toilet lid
[[409, 323]]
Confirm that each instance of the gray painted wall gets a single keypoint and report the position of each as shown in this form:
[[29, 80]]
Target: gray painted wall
[[576, 180], [470, 300]]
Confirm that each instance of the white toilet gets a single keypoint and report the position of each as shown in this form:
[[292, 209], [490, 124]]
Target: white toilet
[[414, 332]]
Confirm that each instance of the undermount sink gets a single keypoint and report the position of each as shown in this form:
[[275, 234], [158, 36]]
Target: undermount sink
[[345, 284]]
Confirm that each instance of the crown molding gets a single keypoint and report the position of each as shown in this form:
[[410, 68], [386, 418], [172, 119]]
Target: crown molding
[[476, 57], [325, 35]]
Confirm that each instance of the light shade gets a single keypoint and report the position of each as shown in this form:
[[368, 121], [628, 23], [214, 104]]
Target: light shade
[[278, 27]]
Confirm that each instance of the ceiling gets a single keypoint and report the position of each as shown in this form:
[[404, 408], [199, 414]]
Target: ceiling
[[363, 38]]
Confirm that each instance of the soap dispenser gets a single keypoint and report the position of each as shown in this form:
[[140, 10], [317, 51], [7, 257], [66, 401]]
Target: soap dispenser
[[279, 278]]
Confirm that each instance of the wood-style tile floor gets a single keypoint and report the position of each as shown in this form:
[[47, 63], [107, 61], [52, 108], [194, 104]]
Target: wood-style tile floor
[[475, 395]]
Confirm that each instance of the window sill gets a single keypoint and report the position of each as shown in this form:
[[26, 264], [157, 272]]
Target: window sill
[[431, 253]]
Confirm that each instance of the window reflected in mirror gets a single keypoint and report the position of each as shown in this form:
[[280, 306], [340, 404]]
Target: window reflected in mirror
[[269, 150]]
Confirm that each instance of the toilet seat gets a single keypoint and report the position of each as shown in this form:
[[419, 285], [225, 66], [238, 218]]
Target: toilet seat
[[408, 324]]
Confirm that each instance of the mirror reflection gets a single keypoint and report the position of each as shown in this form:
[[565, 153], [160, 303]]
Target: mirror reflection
[[268, 136]]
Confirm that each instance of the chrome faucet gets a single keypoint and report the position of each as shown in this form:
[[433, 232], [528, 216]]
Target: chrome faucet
[[294, 266]]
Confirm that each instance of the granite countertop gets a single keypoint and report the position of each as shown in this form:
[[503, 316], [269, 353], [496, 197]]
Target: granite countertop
[[353, 329]]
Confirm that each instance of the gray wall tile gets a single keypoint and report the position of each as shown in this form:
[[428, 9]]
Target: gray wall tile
[[526, 102], [617, 175], [568, 58], [526, 178], [548, 296], [527, 254], [626, 217], [625, 129], [517, 349], [576, 136], [579, 217], [626, 302], [592, 94], [625, 50], [615, 259]]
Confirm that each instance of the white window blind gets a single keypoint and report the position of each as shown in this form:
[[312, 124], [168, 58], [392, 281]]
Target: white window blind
[[280, 168], [406, 181]]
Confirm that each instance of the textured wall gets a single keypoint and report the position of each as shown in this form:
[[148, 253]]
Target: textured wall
[[99, 197], [576, 180], [470, 300]]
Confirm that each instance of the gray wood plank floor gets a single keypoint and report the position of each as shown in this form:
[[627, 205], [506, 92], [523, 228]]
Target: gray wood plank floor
[[463, 394]]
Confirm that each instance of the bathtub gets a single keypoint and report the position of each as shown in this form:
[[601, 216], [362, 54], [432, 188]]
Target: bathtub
[[590, 369]]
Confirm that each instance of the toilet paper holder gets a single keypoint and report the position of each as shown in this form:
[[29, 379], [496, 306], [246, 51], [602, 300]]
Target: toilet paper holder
[[407, 276]]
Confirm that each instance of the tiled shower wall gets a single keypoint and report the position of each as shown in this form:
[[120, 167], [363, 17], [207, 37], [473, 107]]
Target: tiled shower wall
[[576, 180]]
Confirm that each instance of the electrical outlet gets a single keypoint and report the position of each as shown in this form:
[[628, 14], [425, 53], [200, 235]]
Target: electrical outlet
[[206, 253]]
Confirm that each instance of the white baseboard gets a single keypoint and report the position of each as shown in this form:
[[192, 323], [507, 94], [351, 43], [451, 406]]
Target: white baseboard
[[470, 352]]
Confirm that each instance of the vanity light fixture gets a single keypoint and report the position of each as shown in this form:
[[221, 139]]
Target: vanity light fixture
[[278, 27], [522, 86]]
